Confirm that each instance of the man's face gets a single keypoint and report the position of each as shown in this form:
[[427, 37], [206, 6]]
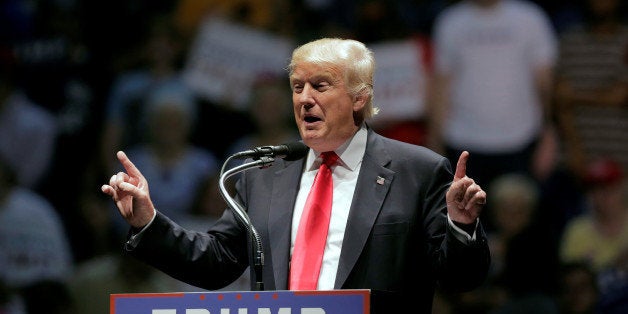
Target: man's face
[[323, 107]]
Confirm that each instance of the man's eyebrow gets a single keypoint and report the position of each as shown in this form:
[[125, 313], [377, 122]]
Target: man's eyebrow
[[317, 77]]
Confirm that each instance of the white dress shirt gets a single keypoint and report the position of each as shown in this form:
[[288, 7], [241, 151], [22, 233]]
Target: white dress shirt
[[345, 175]]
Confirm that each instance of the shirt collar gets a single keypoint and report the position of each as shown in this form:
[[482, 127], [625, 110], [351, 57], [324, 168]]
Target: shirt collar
[[350, 153]]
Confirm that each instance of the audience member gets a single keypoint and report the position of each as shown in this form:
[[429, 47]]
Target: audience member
[[33, 244], [95, 280], [578, 289], [97, 229], [270, 112], [316, 18], [57, 72], [10, 301], [524, 250], [378, 20], [591, 87], [27, 131], [161, 57], [493, 77], [101, 270], [600, 234], [269, 15], [48, 296], [524, 259], [177, 168], [613, 285]]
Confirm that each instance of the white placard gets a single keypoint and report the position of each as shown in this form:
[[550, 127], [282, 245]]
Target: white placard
[[227, 57], [400, 80]]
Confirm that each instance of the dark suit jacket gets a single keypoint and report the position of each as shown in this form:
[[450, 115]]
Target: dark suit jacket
[[397, 240]]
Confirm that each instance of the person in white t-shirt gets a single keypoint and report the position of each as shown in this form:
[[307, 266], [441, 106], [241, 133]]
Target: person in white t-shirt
[[494, 67]]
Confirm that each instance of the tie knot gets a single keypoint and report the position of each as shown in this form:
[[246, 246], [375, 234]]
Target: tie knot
[[329, 158]]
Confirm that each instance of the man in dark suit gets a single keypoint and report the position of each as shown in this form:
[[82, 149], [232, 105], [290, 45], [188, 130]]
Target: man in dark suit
[[402, 222]]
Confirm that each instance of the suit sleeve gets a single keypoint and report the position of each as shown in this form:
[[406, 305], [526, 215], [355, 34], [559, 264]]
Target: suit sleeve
[[209, 260], [459, 265]]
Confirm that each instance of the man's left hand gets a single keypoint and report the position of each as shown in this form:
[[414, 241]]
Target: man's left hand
[[465, 198]]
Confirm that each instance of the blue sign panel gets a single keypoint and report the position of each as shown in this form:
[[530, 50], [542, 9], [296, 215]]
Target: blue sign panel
[[238, 302]]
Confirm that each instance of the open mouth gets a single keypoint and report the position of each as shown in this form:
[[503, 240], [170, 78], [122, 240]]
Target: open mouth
[[311, 119]]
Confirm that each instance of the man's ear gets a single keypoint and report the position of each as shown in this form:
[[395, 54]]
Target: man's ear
[[359, 101]]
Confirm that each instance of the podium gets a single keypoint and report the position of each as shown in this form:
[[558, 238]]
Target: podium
[[244, 302]]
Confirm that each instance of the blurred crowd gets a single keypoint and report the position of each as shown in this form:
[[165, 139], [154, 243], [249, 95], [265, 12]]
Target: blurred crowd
[[536, 91]]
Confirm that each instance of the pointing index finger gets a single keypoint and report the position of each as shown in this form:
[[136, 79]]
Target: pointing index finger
[[461, 166], [128, 165]]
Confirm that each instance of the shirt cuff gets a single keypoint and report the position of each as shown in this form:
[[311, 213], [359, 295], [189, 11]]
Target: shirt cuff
[[462, 235], [135, 237]]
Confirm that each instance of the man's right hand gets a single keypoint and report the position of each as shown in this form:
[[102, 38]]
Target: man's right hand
[[130, 193]]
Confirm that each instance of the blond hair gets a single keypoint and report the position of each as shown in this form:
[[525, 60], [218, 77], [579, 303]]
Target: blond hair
[[352, 56]]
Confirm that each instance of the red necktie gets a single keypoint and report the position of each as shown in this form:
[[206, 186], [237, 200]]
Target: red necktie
[[309, 245]]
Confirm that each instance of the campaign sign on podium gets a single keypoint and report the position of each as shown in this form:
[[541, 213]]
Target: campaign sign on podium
[[240, 302]]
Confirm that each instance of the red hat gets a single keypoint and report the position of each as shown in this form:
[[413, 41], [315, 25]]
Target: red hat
[[603, 171]]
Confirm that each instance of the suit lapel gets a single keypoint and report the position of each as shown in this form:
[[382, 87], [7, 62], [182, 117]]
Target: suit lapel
[[371, 189], [283, 197]]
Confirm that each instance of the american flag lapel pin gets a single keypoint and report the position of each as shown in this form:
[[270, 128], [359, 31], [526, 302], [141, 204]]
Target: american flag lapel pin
[[380, 180]]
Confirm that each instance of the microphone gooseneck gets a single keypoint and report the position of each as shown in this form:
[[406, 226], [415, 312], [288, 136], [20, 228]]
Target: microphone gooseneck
[[263, 157], [244, 219]]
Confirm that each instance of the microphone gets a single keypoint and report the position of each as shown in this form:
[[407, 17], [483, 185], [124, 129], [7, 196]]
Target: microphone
[[288, 151], [263, 157]]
